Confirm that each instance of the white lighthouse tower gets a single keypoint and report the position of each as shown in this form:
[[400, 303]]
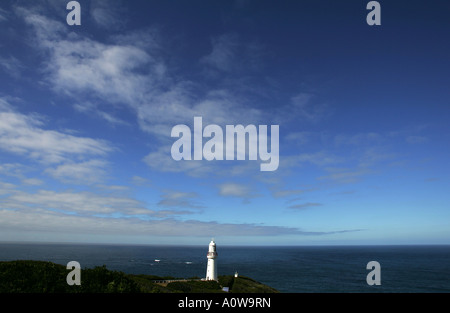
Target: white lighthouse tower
[[211, 269]]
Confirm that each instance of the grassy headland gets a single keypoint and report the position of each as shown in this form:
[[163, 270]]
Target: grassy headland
[[47, 277]]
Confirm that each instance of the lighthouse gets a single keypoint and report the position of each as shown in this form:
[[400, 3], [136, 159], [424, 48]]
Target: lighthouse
[[211, 269]]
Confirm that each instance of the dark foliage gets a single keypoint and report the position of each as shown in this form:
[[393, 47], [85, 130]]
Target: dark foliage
[[48, 277]]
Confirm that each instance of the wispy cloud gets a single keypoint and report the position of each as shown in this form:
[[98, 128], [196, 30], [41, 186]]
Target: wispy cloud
[[3, 15], [140, 181], [32, 182], [25, 135], [117, 73], [95, 213], [180, 199], [91, 109], [87, 172], [130, 71], [416, 139], [63, 156], [71, 202], [11, 65], [108, 15], [64, 224], [161, 160], [344, 175], [320, 158], [359, 139], [224, 53], [300, 138], [306, 205], [287, 192], [241, 191], [305, 106]]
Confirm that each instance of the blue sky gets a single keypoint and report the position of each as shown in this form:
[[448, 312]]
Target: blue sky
[[86, 114]]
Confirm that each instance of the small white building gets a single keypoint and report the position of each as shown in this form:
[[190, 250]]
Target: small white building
[[211, 269]]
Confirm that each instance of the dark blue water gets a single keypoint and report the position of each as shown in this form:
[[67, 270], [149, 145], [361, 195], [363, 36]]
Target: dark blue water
[[288, 269]]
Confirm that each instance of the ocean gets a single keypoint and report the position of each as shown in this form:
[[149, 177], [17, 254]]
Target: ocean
[[302, 269]]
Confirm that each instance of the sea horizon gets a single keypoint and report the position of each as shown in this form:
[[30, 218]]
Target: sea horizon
[[225, 245]]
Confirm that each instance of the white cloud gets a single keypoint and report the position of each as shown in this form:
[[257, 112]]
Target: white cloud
[[82, 65], [179, 106], [88, 172], [130, 70], [70, 202], [46, 29], [66, 212], [54, 222], [24, 135], [32, 181], [12, 169], [68, 158], [237, 190], [6, 188], [114, 72], [180, 199]]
